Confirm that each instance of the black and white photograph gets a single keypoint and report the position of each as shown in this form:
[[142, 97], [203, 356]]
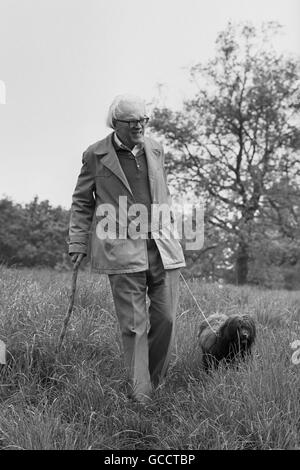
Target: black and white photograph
[[150, 228]]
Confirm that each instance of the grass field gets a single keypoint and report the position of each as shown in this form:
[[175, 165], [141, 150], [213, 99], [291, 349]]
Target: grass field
[[77, 400]]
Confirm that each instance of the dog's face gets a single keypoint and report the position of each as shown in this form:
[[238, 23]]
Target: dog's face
[[239, 330], [231, 339]]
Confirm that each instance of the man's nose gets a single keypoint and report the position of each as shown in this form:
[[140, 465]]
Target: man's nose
[[138, 124]]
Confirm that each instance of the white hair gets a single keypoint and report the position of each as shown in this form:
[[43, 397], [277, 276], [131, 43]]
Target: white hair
[[121, 105]]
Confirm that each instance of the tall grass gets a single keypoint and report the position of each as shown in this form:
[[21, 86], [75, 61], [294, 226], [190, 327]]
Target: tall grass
[[77, 400]]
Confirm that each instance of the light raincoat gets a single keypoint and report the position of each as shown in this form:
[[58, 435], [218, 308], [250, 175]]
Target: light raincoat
[[102, 181]]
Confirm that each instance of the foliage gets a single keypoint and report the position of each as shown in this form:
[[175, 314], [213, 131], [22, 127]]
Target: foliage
[[237, 141], [33, 235]]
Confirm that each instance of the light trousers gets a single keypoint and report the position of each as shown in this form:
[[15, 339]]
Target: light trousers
[[147, 334]]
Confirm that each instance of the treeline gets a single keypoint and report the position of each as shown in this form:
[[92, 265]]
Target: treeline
[[34, 234], [272, 264]]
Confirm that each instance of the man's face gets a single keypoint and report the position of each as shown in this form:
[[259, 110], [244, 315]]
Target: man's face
[[129, 133]]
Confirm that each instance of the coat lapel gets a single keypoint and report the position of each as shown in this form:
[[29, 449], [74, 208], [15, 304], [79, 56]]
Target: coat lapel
[[152, 153], [109, 159]]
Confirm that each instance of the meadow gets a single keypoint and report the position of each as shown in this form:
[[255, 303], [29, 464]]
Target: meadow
[[77, 399]]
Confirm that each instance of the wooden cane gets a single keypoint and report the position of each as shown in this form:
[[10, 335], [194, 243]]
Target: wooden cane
[[71, 303]]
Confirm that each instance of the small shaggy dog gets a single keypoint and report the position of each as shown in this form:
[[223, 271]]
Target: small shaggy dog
[[227, 338]]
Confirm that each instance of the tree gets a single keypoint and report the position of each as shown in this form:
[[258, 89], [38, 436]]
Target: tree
[[238, 136], [11, 226], [34, 235]]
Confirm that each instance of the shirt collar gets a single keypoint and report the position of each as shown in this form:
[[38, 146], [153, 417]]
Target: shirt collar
[[120, 144]]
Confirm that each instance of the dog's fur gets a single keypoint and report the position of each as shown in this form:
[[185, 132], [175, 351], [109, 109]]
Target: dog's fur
[[231, 339]]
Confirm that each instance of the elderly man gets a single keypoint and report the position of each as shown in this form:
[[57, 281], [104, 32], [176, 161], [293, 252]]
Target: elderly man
[[140, 259]]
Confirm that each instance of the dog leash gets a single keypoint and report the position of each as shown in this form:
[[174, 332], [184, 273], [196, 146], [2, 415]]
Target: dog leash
[[197, 303]]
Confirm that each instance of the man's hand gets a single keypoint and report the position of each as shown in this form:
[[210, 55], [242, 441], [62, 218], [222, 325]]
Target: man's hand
[[77, 257]]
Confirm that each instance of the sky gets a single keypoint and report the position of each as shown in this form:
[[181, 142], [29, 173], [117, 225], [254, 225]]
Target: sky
[[63, 61]]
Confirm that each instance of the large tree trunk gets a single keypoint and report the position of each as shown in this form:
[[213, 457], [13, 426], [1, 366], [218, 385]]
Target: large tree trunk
[[241, 264]]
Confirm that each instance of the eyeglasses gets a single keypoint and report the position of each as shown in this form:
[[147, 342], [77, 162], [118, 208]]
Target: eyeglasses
[[134, 123]]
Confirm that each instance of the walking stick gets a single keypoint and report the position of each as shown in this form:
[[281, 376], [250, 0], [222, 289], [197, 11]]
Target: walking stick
[[71, 302]]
